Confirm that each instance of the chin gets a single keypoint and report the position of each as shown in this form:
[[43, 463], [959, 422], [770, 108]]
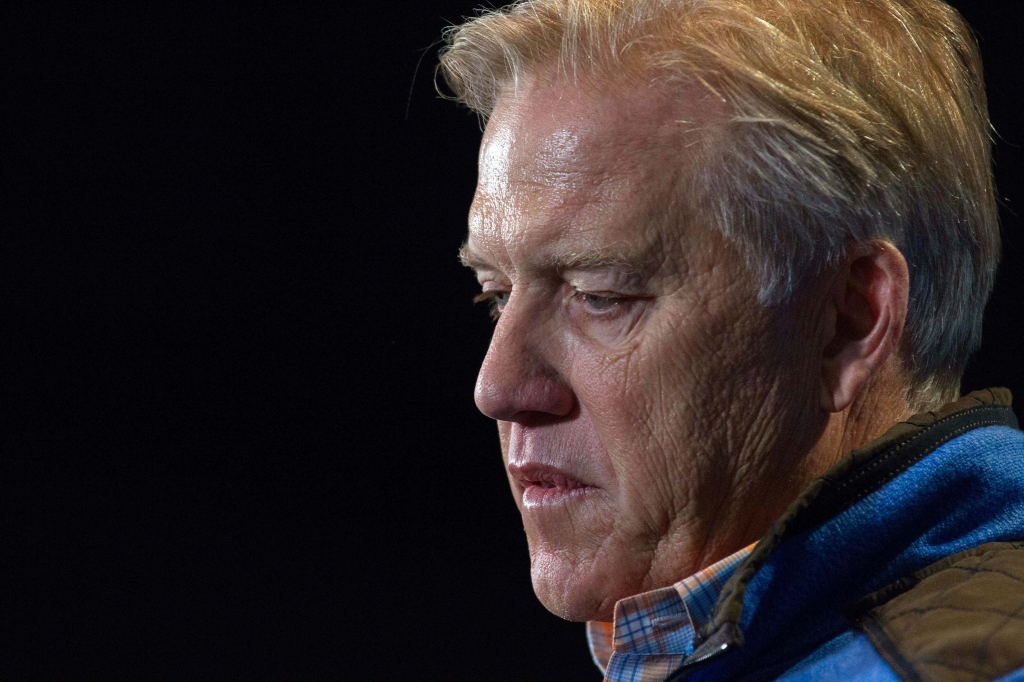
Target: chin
[[573, 589]]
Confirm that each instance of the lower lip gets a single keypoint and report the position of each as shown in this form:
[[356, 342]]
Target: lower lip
[[539, 496]]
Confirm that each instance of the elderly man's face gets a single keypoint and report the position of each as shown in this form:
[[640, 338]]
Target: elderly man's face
[[640, 390]]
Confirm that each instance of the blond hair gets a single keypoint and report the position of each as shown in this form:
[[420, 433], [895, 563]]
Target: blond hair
[[851, 120]]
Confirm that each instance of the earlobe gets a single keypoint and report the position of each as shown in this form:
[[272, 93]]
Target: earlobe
[[869, 300]]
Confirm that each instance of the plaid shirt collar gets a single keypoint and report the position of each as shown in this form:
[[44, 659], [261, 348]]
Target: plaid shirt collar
[[653, 632]]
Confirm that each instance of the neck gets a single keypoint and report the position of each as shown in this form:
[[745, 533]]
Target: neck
[[881, 404]]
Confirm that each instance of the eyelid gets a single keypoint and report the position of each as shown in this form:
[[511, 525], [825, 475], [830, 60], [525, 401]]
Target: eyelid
[[592, 280], [492, 283], [602, 294], [491, 287], [578, 291]]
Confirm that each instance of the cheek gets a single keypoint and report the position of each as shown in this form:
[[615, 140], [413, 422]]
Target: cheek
[[635, 404], [639, 393], [662, 406]]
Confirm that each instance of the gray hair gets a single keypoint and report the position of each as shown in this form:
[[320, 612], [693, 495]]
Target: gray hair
[[851, 121]]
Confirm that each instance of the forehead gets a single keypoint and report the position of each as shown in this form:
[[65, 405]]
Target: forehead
[[563, 167], [558, 125]]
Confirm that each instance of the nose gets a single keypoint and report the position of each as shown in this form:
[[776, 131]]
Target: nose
[[517, 381]]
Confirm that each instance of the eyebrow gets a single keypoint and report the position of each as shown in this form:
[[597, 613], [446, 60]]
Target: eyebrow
[[471, 259], [641, 263]]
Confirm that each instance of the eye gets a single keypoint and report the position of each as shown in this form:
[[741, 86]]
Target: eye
[[598, 304], [496, 300]]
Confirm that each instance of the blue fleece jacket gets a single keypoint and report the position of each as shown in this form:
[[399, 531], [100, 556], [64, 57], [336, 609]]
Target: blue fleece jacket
[[967, 492]]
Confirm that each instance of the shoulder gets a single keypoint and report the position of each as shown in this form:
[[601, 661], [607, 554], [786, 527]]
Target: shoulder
[[961, 618]]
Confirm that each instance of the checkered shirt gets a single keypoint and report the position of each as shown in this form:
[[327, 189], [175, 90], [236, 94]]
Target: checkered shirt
[[653, 632]]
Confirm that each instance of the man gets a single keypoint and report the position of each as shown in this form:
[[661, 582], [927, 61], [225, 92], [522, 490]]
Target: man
[[738, 252]]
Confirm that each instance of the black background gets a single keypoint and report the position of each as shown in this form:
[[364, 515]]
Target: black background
[[239, 351]]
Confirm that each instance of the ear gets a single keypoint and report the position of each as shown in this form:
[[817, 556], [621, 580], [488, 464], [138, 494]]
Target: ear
[[869, 298]]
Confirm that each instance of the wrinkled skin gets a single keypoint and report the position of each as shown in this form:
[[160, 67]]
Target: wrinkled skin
[[630, 356]]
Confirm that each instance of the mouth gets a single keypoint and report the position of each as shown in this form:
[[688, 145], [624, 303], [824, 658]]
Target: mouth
[[547, 485]]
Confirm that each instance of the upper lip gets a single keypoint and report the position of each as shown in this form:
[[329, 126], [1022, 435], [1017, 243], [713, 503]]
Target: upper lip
[[545, 476]]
